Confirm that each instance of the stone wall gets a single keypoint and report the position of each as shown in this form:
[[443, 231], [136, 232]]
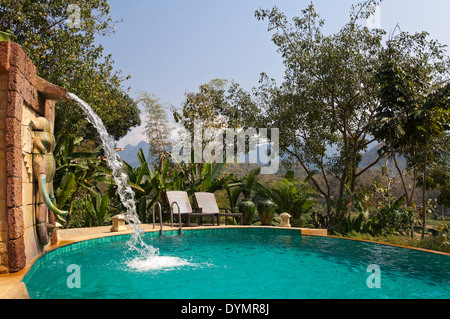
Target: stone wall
[[3, 215], [20, 101]]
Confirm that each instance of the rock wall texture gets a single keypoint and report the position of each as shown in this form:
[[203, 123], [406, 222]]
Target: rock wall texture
[[20, 101]]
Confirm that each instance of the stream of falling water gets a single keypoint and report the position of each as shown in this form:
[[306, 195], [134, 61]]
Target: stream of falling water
[[124, 190], [148, 256]]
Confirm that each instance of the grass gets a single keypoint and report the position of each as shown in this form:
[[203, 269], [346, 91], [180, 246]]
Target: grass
[[436, 222]]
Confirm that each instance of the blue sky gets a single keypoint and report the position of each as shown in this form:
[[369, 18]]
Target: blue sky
[[173, 46]]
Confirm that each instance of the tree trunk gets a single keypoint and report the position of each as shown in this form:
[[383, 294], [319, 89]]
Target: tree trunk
[[424, 186], [414, 170], [405, 189], [327, 200]]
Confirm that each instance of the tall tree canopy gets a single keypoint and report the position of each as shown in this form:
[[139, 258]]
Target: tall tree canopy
[[157, 127], [59, 37], [327, 100], [200, 117], [328, 107], [413, 116]]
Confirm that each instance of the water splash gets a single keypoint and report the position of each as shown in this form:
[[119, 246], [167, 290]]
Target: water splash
[[124, 190], [149, 263], [148, 257]]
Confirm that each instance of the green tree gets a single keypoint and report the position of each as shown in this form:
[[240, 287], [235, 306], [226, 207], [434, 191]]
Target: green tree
[[200, 106], [436, 123], [157, 128], [327, 100], [439, 178], [413, 113], [200, 111], [66, 54]]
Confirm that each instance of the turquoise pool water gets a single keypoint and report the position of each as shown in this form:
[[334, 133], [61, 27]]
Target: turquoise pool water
[[250, 263]]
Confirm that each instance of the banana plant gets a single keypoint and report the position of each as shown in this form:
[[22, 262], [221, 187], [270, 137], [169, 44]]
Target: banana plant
[[210, 179], [162, 181], [139, 179], [150, 185], [194, 177], [249, 185], [76, 173], [97, 209], [233, 194]]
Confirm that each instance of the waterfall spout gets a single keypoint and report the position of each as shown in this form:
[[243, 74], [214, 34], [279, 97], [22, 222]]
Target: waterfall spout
[[124, 190]]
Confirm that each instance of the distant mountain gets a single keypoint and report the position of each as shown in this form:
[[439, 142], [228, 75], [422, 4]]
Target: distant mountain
[[129, 154], [370, 156]]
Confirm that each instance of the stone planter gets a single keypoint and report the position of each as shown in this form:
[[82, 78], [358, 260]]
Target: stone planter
[[118, 223], [285, 220], [266, 211], [247, 208]]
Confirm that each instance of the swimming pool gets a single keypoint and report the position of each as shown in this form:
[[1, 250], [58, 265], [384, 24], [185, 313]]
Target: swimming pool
[[239, 263]]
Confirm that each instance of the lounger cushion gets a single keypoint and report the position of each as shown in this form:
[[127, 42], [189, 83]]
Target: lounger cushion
[[182, 200], [207, 202]]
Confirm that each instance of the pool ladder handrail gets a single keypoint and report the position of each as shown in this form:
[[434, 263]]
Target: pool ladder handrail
[[180, 230], [160, 217]]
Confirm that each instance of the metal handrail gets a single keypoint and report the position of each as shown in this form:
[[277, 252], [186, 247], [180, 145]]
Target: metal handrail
[[179, 217], [160, 216]]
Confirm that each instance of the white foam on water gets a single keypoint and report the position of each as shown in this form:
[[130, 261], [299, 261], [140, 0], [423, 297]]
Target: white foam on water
[[156, 262]]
